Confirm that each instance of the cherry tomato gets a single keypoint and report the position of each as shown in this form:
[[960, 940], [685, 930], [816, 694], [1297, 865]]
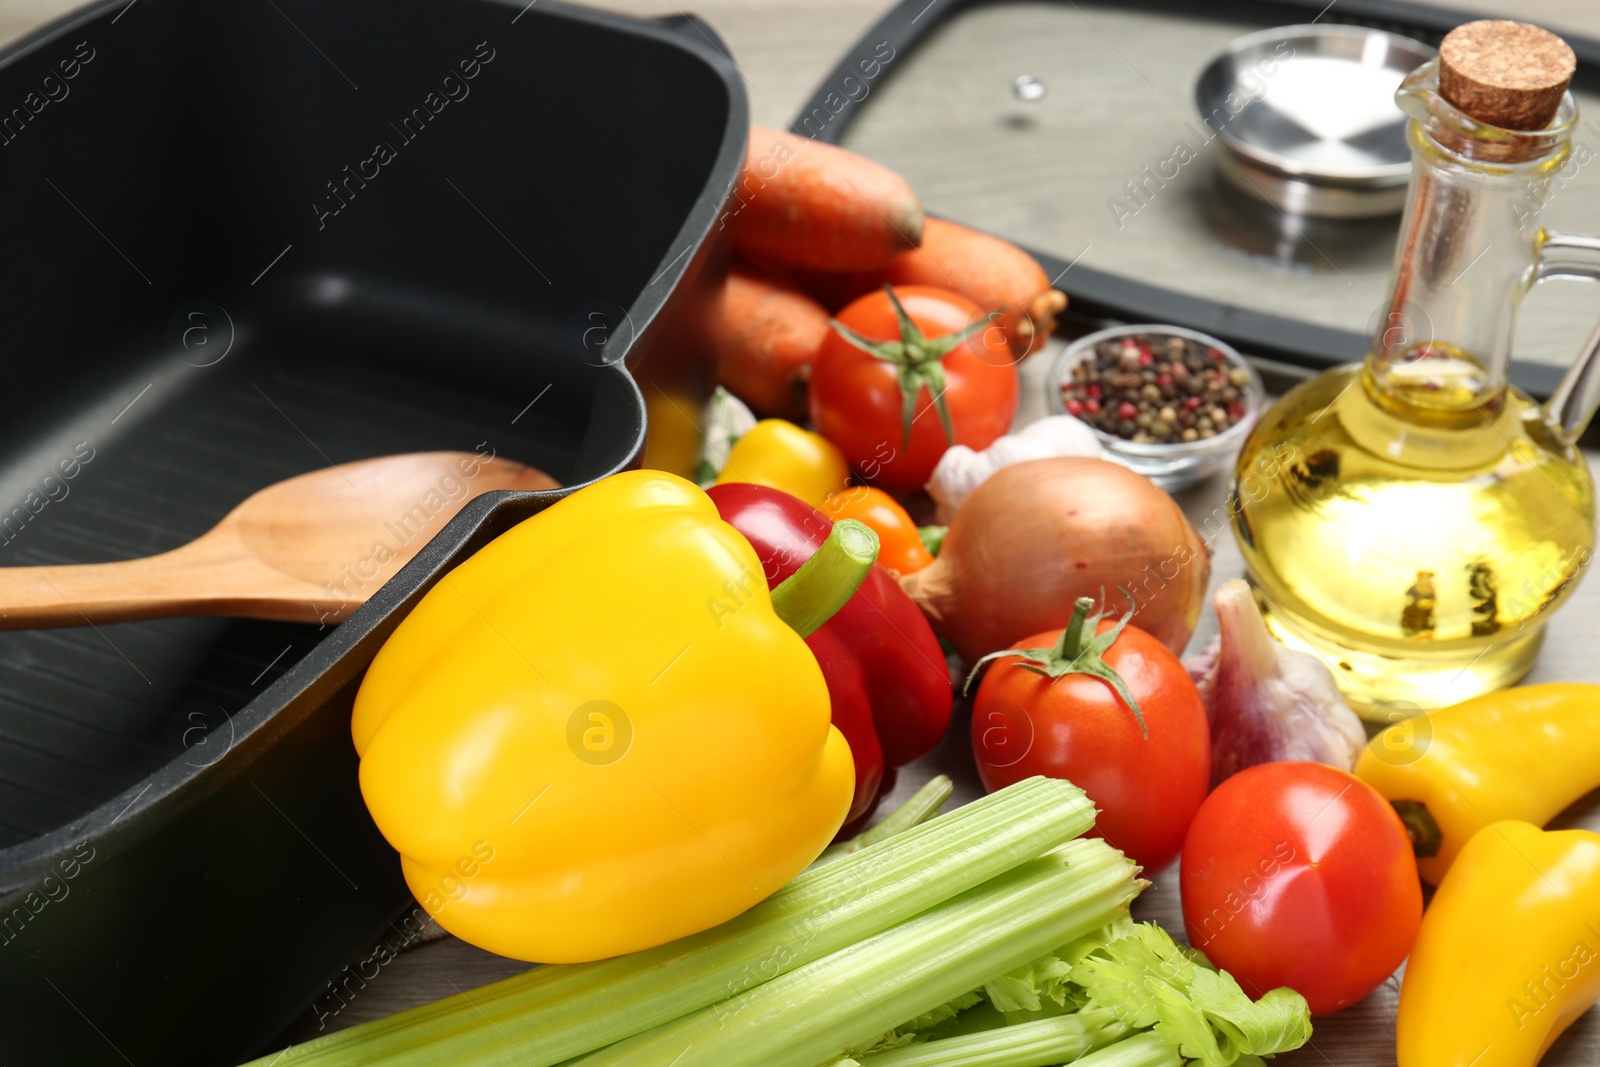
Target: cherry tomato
[[856, 397], [1297, 874], [1147, 783], [900, 550]]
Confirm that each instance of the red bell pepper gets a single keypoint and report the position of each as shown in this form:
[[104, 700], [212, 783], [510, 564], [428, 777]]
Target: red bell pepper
[[886, 673]]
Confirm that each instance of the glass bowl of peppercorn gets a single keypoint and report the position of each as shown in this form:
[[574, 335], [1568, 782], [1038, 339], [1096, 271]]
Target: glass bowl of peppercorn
[[1173, 404]]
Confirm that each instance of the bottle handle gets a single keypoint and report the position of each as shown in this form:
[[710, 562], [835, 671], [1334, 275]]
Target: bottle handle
[[1573, 404]]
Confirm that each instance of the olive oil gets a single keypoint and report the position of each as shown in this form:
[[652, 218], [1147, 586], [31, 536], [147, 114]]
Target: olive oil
[[1413, 519], [1416, 547]]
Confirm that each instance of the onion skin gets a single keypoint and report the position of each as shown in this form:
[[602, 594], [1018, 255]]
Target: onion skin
[[1037, 535]]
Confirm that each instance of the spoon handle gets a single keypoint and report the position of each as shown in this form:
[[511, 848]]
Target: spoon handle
[[190, 580]]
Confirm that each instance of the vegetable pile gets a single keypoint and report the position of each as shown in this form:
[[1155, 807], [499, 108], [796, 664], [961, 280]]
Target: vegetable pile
[[929, 321], [896, 336], [994, 935], [734, 676]]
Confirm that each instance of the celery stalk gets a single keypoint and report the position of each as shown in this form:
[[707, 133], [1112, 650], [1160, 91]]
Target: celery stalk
[[551, 1014], [921, 807], [1143, 1050], [1037, 1047], [854, 995], [1034, 1044]]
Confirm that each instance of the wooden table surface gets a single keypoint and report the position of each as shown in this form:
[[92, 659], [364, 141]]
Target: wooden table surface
[[784, 47]]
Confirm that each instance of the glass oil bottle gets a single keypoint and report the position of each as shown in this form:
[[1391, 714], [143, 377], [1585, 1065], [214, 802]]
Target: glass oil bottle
[[1419, 519]]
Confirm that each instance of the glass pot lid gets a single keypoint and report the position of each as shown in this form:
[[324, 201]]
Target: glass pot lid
[[1071, 128]]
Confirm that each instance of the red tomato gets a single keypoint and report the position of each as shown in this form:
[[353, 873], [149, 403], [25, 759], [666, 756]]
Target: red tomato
[[1147, 786], [1296, 874], [856, 399]]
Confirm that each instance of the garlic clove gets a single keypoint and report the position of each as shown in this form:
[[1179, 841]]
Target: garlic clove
[[1202, 663], [961, 470], [1069, 435], [1268, 702]]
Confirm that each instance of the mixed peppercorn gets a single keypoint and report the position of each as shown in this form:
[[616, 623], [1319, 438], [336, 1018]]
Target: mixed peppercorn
[[1152, 389]]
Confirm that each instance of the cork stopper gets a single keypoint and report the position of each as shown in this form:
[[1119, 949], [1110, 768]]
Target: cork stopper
[[1506, 74]]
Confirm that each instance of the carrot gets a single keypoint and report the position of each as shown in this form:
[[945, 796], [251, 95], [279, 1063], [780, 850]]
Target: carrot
[[990, 271], [809, 204], [769, 267], [833, 289], [771, 332]]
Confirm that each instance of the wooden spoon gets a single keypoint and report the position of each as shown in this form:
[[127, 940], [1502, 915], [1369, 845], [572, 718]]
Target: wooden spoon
[[309, 549]]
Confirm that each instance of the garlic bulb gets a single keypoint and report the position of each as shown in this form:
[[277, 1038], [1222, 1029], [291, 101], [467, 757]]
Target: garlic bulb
[[727, 419], [1267, 702], [961, 470]]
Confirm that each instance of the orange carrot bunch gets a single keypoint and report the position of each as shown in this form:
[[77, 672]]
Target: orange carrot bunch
[[815, 226]]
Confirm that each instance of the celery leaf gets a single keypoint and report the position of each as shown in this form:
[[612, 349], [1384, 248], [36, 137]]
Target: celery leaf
[[1029, 988], [1278, 1022], [1124, 975], [1146, 979]]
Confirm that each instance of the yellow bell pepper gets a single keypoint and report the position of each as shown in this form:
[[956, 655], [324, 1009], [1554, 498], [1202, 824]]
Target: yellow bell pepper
[[780, 455], [1509, 951], [576, 757], [1524, 753]]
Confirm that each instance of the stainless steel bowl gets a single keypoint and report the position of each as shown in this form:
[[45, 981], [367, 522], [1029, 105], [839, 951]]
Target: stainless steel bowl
[[1307, 118]]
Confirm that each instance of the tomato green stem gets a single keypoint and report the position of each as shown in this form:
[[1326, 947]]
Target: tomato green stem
[[1070, 647], [825, 583], [919, 359], [1081, 649]]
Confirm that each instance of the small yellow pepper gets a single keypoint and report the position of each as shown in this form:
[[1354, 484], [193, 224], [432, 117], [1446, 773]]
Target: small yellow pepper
[[1509, 952], [1524, 753], [780, 455], [576, 756]]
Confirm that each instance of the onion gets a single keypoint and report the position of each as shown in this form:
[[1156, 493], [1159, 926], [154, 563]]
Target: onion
[[1039, 534]]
